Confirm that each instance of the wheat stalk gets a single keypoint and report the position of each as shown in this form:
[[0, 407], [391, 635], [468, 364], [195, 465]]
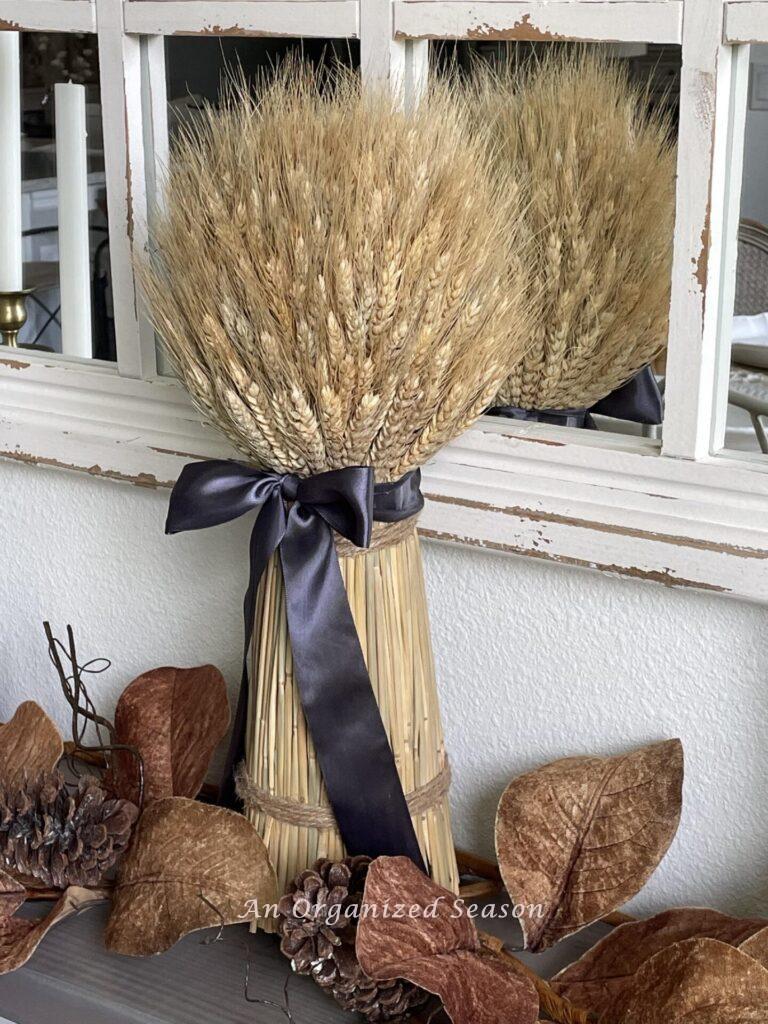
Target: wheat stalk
[[597, 177], [330, 275]]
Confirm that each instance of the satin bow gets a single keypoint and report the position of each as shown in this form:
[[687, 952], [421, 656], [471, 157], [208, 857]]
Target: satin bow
[[297, 517]]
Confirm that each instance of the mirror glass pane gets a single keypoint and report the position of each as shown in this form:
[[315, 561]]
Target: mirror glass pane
[[746, 421], [55, 286]]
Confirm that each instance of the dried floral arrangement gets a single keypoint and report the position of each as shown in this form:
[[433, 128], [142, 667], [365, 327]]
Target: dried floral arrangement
[[129, 831], [340, 284], [191, 865], [596, 173]]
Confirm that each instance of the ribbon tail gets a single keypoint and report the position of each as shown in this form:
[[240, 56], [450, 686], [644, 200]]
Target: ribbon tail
[[639, 400], [265, 538], [344, 720]]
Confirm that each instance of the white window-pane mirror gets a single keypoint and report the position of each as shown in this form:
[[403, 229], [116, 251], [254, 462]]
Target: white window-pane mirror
[[54, 243]]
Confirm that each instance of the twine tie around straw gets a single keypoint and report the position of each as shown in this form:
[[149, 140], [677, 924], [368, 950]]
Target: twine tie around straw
[[294, 812]]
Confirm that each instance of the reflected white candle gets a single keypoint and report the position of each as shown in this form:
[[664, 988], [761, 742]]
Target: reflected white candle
[[10, 163], [74, 249]]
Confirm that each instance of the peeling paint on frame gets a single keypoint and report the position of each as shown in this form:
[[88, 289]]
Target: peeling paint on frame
[[663, 576]]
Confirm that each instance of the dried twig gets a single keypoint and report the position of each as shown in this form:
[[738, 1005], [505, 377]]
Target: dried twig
[[95, 758], [479, 890], [83, 708], [478, 867], [558, 1009], [472, 866], [217, 937], [38, 895], [285, 1008]]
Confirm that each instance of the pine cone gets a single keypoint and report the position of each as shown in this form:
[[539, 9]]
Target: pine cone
[[63, 838], [318, 922]]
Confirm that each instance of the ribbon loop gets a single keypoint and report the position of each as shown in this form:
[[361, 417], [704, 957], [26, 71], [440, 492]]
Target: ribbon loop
[[296, 516], [344, 499]]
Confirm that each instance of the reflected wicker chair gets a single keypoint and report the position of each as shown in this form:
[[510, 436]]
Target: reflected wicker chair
[[752, 269], [748, 385]]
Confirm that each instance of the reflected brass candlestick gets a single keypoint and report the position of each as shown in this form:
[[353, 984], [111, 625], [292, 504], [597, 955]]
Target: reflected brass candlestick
[[13, 315]]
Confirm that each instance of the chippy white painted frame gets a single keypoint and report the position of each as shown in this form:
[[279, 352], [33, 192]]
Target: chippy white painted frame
[[682, 514]]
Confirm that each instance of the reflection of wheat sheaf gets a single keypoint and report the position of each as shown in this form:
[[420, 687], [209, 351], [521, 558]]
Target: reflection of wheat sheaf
[[597, 176]]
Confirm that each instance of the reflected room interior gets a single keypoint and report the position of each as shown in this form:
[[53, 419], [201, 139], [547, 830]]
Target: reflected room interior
[[747, 422], [59, 75]]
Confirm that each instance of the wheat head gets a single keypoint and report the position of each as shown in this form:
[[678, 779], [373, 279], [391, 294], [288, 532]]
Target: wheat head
[[331, 275]]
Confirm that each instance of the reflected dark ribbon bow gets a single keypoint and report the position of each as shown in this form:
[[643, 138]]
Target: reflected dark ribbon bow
[[638, 400], [297, 517]]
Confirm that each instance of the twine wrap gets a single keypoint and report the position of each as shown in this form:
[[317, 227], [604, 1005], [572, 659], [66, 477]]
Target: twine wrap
[[293, 812], [383, 535]]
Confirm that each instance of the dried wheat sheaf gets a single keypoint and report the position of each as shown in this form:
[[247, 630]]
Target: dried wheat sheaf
[[597, 175], [331, 276]]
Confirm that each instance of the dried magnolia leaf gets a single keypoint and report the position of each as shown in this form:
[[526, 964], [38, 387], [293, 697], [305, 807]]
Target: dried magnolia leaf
[[20, 937], [699, 981], [12, 895], [596, 979], [412, 928], [175, 717], [190, 866], [579, 837], [30, 746], [756, 946]]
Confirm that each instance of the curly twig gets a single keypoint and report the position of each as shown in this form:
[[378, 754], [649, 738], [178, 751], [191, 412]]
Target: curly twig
[[83, 708], [222, 922], [285, 1009]]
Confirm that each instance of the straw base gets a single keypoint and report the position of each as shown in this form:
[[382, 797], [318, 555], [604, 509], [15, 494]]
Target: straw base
[[386, 594]]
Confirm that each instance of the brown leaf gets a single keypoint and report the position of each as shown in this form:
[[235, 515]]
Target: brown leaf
[[434, 944], [596, 979], [579, 837], [185, 853], [12, 895], [175, 717], [30, 745], [20, 937], [698, 981], [756, 946]]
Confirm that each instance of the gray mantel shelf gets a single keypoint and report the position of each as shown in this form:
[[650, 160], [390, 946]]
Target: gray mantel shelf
[[72, 979]]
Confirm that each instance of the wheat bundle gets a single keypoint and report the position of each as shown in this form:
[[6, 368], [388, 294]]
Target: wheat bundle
[[597, 174], [331, 278]]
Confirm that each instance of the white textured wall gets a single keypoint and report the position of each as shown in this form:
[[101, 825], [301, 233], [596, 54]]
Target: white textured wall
[[535, 661]]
